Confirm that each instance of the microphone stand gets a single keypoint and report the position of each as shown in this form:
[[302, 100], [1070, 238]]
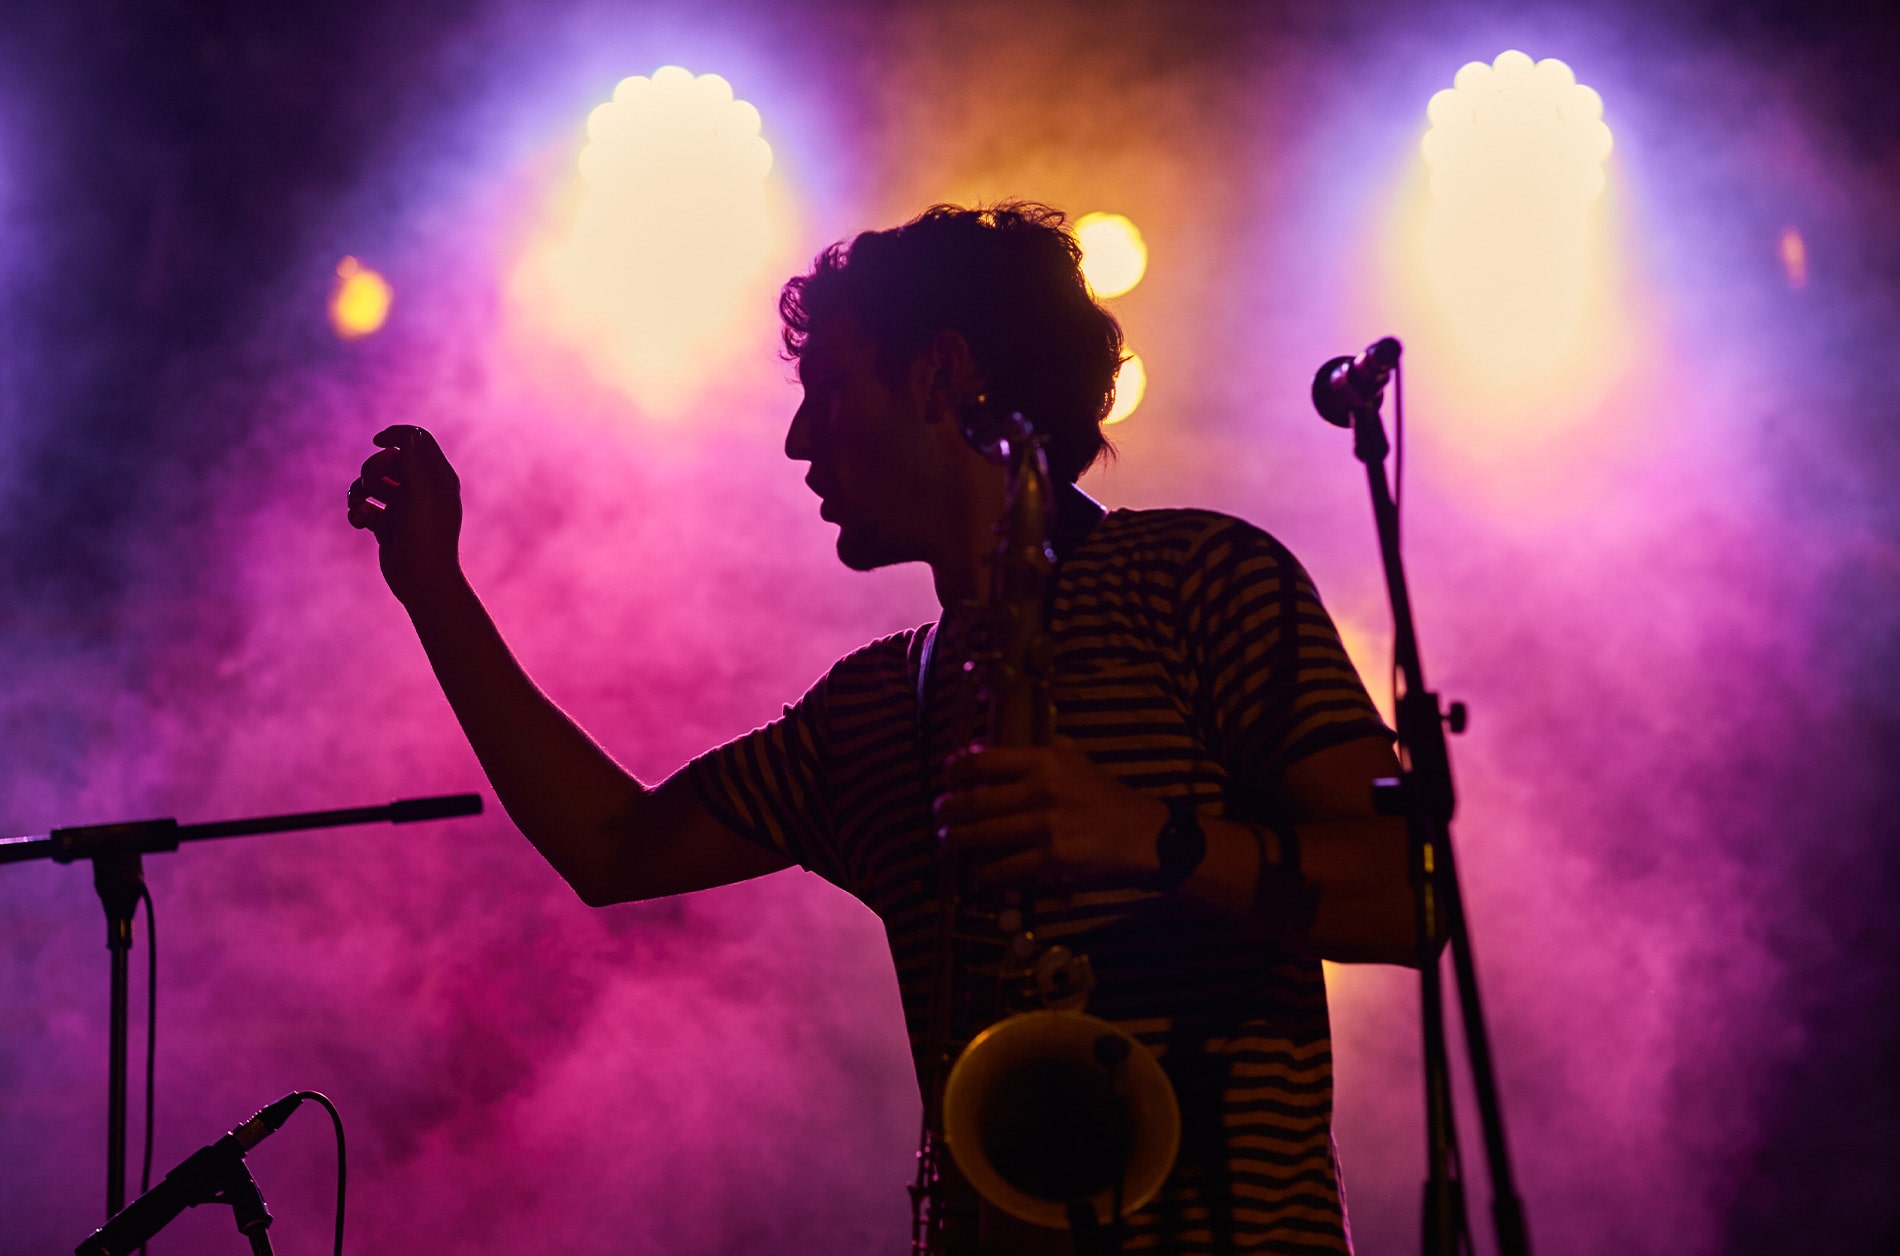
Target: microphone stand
[[118, 873], [1423, 793]]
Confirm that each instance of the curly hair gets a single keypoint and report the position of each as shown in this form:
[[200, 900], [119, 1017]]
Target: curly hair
[[1008, 278]]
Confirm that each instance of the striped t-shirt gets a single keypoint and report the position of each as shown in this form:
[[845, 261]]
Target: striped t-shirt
[[1192, 660]]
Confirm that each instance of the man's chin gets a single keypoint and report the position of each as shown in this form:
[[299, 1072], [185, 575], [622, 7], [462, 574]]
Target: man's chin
[[854, 552]]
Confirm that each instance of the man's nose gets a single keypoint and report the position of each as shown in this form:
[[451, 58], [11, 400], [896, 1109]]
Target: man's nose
[[798, 435]]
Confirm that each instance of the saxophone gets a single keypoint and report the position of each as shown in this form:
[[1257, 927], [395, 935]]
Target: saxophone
[[1053, 1117]]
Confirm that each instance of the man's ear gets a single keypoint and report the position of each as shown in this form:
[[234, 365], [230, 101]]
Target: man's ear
[[947, 375]]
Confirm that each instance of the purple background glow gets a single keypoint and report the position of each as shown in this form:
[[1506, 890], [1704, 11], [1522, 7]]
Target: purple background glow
[[1677, 632]]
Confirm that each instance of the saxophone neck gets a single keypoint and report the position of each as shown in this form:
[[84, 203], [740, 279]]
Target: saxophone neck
[[1020, 569], [1023, 558]]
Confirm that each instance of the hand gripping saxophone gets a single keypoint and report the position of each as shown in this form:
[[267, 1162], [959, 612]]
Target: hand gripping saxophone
[[1052, 1116]]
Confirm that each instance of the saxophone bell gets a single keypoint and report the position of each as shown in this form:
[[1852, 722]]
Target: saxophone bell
[[1050, 1109]]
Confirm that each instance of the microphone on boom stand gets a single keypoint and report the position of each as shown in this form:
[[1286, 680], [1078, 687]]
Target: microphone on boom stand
[[1345, 386], [1347, 392], [214, 1173]]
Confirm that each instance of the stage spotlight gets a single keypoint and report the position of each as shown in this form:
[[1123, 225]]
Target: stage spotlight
[[1114, 256], [1131, 385], [1511, 239], [1518, 131], [359, 301], [669, 242]]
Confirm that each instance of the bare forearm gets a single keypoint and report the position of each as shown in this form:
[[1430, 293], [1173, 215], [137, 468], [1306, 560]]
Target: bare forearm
[[1337, 890], [564, 792], [610, 837], [1344, 896]]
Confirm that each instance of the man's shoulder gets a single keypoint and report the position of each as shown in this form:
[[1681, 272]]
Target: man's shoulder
[[879, 663], [1188, 535]]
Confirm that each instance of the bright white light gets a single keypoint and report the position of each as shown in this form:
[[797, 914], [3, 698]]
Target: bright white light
[[1114, 256], [1131, 385], [1516, 151], [1517, 130], [670, 240]]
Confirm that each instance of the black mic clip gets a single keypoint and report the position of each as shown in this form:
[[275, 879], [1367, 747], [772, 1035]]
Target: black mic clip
[[246, 1202]]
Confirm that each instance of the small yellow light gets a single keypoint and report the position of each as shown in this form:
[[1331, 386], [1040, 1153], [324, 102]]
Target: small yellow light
[[1131, 385], [359, 304], [1794, 257], [1114, 256]]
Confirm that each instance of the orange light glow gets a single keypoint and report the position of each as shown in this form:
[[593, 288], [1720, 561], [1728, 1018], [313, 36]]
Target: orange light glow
[[669, 239], [1131, 385], [1794, 257], [359, 302], [1371, 654], [1114, 256]]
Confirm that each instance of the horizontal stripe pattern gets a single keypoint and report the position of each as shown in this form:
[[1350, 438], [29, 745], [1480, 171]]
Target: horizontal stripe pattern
[[1193, 660]]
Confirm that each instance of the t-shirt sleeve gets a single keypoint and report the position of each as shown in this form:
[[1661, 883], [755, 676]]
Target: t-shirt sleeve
[[770, 785], [1275, 682]]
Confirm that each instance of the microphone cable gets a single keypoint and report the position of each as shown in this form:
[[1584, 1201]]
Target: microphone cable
[[151, 1075], [151, 1035], [1398, 445], [1398, 508], [342, 1165]]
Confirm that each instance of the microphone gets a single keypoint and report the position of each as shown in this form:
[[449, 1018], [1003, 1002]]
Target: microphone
[[1345, 386], [204, 1175]]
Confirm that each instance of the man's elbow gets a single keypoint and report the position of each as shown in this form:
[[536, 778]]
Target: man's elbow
[[1380, 929], [1406, 955], [591, 893], [1402, 943], [599, 885], [609, 887]]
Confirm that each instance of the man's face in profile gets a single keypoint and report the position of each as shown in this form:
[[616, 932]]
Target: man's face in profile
[[868, 446]]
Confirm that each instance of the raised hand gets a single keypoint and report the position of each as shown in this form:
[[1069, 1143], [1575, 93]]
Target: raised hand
[[411, 499]]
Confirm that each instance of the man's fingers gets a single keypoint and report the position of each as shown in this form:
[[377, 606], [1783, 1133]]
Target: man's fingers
[[984, 801], [983, 840], [378, 472], [1029, 868], [363, 512], [404, 436], [993, 763], [409, 454]]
